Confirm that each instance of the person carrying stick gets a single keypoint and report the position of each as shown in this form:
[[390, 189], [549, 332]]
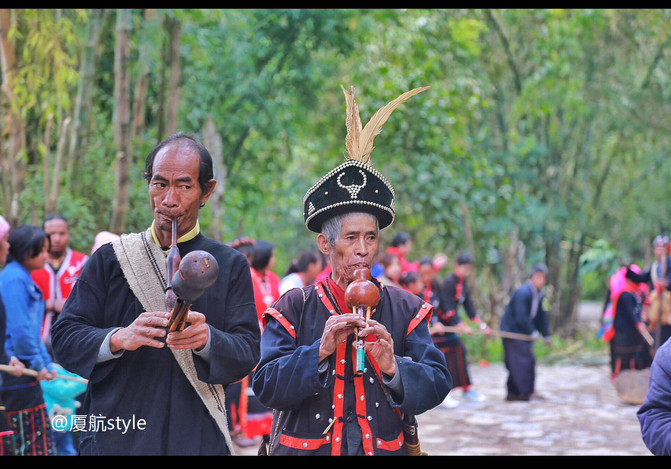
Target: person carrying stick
[[524, 314]]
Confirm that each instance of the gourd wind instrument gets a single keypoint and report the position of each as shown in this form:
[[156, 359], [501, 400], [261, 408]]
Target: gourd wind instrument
[[362, 296], [188, 278]]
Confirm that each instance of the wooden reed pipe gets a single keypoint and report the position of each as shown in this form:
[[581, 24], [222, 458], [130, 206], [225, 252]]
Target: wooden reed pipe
[[172, 262]]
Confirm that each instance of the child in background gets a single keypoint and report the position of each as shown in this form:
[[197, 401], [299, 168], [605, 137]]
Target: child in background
[[60, 397]]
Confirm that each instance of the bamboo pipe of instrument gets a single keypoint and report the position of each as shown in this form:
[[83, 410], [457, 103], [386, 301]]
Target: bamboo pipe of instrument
[[179, 308], [360, 343], [172, 262], [178, 316], [29, 372]]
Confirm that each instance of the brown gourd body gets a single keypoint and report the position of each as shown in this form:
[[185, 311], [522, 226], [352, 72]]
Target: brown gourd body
[[361, 291], [197, 271]]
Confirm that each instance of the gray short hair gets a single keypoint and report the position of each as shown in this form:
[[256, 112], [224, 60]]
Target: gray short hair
[[331, 227]]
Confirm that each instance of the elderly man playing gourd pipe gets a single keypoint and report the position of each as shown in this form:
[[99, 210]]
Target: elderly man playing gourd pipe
[[325, 405]]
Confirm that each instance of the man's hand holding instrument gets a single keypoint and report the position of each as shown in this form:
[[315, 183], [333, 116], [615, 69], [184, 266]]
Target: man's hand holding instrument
[[188, 279], [362, 296]]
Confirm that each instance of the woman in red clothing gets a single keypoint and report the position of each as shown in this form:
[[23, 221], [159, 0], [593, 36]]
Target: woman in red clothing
[[266, 282], [255, 419]]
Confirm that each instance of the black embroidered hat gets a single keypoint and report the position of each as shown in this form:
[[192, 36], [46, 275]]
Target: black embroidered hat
[[351, 187], [355, 186]]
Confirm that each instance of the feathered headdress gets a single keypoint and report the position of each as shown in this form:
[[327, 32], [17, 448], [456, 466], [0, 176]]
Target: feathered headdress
[[359, 142], [355, 186]]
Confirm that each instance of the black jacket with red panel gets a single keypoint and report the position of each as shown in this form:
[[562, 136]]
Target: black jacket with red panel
[[327, 409]]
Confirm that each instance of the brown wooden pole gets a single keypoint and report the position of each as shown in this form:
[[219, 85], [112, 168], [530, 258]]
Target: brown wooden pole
[[29, 372], [508, 335]]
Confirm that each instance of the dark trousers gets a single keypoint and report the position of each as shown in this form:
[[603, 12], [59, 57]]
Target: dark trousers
[[521, 365], [457, 363]]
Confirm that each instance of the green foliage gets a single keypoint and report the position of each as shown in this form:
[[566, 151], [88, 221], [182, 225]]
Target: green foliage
[[47, 40], [553, 122], [482, 348], [596, 266]]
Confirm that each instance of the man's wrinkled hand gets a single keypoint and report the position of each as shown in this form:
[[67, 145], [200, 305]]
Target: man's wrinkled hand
[[194, 336], [145, 330], [336, 330], [382, 348]]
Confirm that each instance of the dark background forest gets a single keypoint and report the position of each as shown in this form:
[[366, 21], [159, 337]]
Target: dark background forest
[[543, 137]]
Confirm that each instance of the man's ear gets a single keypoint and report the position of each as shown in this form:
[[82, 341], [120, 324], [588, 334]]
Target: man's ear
[[324, 246], [205, 196]]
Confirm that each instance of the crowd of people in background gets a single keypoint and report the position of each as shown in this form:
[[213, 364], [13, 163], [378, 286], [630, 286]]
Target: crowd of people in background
[[40, 269], [258, 342], [637, 311], [47, 267], [636, 323]]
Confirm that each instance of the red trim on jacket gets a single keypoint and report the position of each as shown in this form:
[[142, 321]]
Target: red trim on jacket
[[361, 413], [424, 313], [369, 443], [390, 445], [338, 399], [396, 443], [303, 443], [339, 383], [282, 320]]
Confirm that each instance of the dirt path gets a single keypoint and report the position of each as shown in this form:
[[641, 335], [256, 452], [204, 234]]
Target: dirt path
[[579, 415]]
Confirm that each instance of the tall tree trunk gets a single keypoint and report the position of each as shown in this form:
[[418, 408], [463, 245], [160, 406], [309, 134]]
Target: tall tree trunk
[[165, 60], [212, 141], [47, 161], [13, 165], [172, 123], [574, 290], [122, 121], [56, 176], [140, 95], [79, 129], [553, 287]]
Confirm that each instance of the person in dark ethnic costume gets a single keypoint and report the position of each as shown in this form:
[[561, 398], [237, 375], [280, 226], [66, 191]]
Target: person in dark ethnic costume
[[168, 389], [658, 278], [323, 405], [524, 314], [455, 292], [627, 337]]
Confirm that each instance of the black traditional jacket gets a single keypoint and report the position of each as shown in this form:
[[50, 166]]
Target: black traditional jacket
[[326, 409], [145, 388]]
